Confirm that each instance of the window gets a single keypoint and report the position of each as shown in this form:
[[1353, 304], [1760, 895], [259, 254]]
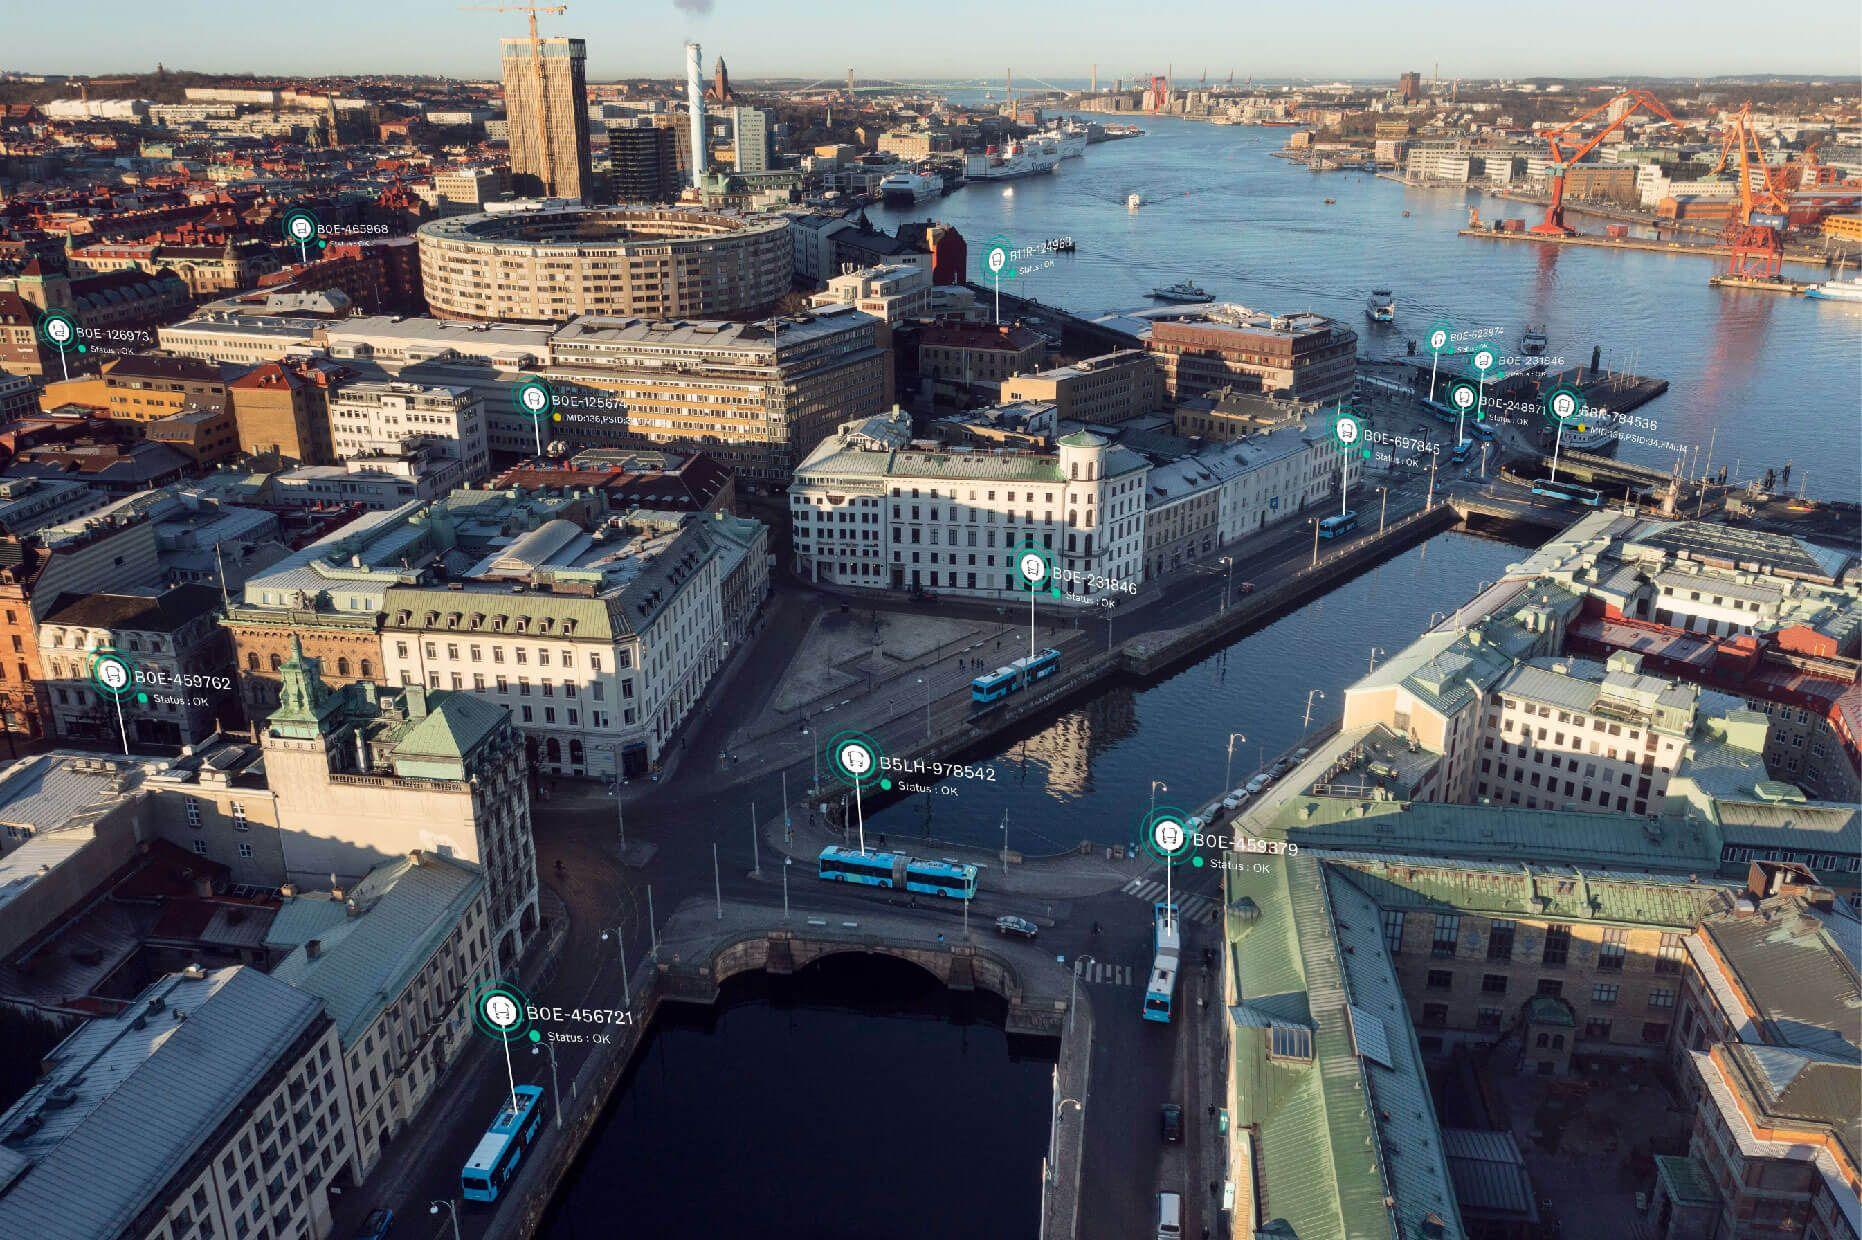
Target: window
[[1441, 979], [245, 850], [1603, 992], [1557, 946], [1610, 954], [193, 813], [1493, 983], [1597, 1029], [1487, 1018], [239, 817], [1655, 1032], [1500, 939], [200, 848], [1447, 930], [1668, 958], [1662, 997], [1435, 1014], [1551, 986], [1393, 931]]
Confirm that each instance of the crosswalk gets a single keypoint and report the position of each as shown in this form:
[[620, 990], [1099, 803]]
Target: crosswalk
[[1110, 974], [1192, 908]]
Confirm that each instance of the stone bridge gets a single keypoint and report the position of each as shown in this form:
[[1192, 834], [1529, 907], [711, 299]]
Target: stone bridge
[[700, 952]]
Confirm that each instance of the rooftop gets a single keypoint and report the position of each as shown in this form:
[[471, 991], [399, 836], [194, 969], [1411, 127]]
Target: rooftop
[[127, 1101]]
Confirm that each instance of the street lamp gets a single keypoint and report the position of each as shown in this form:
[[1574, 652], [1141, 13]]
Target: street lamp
[[1310, 695], [620, 940], [433, 1207], [1315, 541], [1073, 987], [1054, 1127], [786, 863], [1229, 770], [1108, 604], [1228, 562], [1375, 651], [1155, 785], [1383, 507], [926, 682], [537, 1048]]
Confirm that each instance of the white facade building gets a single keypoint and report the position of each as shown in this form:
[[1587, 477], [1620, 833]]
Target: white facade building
[[873, 509], [370, 420]]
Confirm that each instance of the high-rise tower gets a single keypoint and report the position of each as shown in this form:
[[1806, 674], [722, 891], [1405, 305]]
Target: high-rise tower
[[546, 108]]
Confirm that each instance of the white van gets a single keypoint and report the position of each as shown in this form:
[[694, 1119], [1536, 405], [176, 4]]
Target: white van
[[1169, 1216]]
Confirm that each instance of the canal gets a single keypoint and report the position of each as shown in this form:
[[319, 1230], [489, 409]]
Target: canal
[[856, 1098], [1088, 774], [1760, 379]]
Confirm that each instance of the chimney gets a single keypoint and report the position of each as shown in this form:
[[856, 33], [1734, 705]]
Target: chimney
[[415, 857], [313, 949], [695, 100], [288, 890], [352, 908]]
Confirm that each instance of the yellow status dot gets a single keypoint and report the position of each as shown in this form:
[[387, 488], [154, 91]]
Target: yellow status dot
[[556, 417]]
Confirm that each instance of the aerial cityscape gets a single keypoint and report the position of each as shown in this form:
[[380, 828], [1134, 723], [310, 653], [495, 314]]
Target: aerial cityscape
[[1105, 624]]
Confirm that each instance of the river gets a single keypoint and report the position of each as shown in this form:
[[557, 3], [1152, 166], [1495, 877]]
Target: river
[[1088, 774], [858, 1098], [1760, 379]]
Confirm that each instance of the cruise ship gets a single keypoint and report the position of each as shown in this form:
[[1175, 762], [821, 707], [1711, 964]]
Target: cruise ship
[[1018, 159], [907, 187], [1837, 290]]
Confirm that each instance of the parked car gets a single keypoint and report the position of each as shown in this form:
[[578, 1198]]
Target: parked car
[[1300, 755], [1233, 799], [377, 1225], [1280, 767], [1258, 782], [1171, 1120], [1020, 927], [1247, 587]]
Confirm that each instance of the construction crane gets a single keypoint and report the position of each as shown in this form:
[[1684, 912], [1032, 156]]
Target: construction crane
[[1755, 233], [1553, 225], [536, 65]]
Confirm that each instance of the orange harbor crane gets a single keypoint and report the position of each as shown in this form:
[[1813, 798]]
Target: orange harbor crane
[[1553, 225], [1755, 233]]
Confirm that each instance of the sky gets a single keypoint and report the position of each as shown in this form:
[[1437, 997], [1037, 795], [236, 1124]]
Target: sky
[[945, 39]]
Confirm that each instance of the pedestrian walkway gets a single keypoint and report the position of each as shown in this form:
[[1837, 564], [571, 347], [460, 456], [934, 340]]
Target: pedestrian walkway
[[1192, 908], [1109, 974]]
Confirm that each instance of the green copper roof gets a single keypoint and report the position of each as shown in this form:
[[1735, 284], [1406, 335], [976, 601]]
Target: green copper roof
[[455, 724]]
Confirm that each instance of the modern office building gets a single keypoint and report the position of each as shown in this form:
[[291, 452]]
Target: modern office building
[[1301, 356], [555, 263], [467, 190], [389, 420], [546, 110], [757, 396], [751, 139], [643, 162], [873, 509], [1112, 387]]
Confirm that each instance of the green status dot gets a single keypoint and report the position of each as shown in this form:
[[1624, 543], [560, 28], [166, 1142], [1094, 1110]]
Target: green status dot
[[1197, 862], [1055, 591], [535, 1036], [142, 697], [885, 785], [83, 348]]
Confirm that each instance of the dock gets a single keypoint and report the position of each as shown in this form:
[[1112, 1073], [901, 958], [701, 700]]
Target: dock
[[1636, 243], [1616, 391]]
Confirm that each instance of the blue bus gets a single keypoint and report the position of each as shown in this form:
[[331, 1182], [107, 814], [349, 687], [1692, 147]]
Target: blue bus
[[871, 869], [496, 1157], [1482, 428], [1335, 527], [1167, 945], [1461, 451], [992, 687], [952, 879], [1574, 492], [1441, 411]]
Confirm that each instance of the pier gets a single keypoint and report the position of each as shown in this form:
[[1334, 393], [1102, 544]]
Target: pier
[[1637, 243]]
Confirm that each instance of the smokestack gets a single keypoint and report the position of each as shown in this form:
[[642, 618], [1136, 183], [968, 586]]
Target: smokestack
[[695, 99], [1095, 79]]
